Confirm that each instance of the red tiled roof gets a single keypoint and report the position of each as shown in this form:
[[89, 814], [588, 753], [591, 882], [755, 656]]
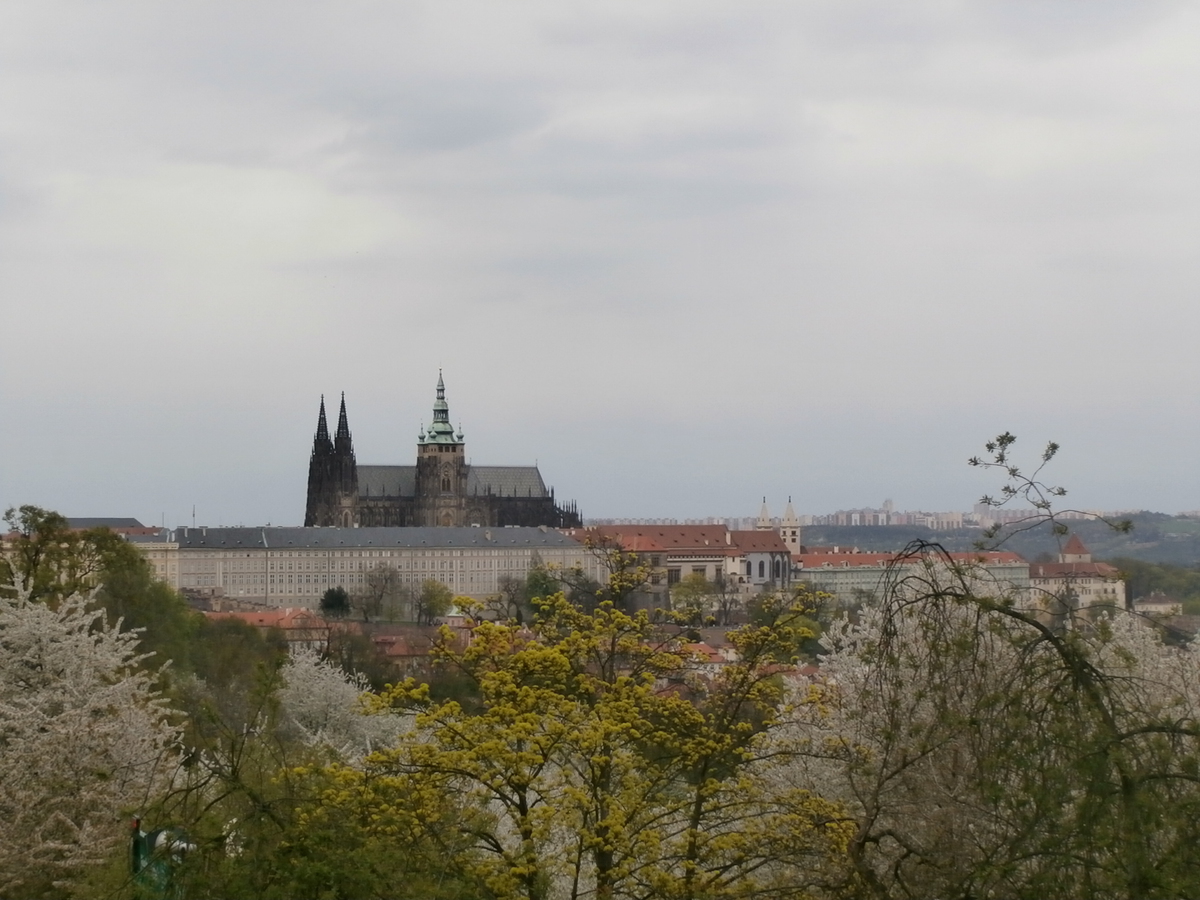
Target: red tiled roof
[[759, 542], [1075, 547], [667, 538]]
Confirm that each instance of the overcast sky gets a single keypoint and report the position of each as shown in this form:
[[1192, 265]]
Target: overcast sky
[[683, 255]]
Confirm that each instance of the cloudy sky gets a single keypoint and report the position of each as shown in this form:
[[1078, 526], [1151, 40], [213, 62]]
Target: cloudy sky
[[682, 254]]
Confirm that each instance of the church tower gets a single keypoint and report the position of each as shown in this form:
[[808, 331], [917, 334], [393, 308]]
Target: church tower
[[332, 475], [764, 518], [441, 469], [789, 528]]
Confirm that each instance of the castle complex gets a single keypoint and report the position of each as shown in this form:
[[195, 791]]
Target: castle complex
[[441, 490]]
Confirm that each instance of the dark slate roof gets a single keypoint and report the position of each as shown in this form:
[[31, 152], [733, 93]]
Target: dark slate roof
[[506, 481], [502, 481], [283, 538], [387, 481], [103, 522]]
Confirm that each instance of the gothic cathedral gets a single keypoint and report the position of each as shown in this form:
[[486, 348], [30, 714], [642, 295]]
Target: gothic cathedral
[[442, 489]]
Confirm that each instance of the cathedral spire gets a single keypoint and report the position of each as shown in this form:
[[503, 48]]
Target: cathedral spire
[[321, 442], [342, 442]]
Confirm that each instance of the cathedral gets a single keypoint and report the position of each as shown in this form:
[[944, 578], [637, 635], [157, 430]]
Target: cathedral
[[442, 489]]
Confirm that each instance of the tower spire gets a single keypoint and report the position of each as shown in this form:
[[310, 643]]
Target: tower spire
[[764, 518], [321, 440], [342, 442], [440, 430]]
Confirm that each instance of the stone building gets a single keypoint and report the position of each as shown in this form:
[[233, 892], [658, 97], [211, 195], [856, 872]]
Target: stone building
[[441, 490], [1076, 582], [276, 566]]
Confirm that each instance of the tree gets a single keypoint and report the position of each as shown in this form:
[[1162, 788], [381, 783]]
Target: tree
[[510, 602], [691, 598], [982, 749], [434, 600], [51, 561], [335, 603], [582, 778], [627, 575], [381, 592], [84, 740]]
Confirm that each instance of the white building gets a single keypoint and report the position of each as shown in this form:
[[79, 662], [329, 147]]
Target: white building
[[295, 566]]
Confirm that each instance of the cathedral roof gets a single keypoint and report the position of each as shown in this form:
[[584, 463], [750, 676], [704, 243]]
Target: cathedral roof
[[506, 481], [387, 481], [499, 481]]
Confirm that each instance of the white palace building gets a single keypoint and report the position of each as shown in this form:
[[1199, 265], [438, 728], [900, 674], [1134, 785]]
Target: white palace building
[[295, 566]]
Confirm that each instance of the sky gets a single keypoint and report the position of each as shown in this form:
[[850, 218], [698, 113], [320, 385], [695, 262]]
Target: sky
[[683, 255]]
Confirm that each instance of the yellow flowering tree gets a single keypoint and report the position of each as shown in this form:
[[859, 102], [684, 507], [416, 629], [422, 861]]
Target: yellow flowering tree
[[598, 761]]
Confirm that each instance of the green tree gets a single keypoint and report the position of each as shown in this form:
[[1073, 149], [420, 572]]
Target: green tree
[[692, 599], [335, 603], [433, 601], [53, 561]]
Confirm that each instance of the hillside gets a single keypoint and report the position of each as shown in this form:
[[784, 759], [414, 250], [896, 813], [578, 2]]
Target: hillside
[[1155, 537]]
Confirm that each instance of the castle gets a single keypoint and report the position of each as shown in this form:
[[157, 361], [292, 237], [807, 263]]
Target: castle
[[442, 489]]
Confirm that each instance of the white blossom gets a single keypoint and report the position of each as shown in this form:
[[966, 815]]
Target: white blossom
[[322, 703], [84, 740]]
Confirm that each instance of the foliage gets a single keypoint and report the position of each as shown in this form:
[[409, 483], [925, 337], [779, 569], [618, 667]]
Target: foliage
[[274, 800], [320, 706], [799, 609], [53, 562], [628, 574], [335, 603], [585, 778], [1180, 582], [981, 754], [356, 654], [692, 599], [84, 740], [382, 596], [433, 601]]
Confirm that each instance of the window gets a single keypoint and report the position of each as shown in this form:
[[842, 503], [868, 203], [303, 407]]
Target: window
[[672, 576], [702, 571], [777, 570], [762, 569], [748, 572]]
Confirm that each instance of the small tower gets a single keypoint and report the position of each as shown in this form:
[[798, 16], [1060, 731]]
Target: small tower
[[764, 518], [441, 468], [1075, 551], [789, 528]]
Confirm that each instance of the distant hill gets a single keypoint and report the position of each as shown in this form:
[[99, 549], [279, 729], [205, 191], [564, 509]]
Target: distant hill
[[1156, 537]]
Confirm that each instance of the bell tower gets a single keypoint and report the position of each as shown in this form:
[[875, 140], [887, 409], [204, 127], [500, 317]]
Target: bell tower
[[441, 468]]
